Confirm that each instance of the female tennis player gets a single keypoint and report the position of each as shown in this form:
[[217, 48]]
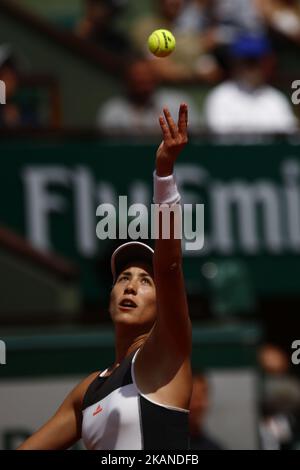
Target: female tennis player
[[142, 400]]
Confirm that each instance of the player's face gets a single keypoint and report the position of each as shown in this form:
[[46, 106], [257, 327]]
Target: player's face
[[133, 297]]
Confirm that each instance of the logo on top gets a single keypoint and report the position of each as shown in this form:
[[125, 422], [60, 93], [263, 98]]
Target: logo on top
[[97, 410]]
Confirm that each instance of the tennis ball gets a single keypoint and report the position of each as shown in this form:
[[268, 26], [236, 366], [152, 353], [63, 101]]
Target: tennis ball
[[161, 43]]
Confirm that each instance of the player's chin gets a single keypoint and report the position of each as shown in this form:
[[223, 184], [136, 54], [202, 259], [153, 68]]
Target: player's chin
[[128, 316], [132, 317]]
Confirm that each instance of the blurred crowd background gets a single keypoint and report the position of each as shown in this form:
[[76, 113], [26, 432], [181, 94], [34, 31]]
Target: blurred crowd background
[[79, 126], [241, 51]]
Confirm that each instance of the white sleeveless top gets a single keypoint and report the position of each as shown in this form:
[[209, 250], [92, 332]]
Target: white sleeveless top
[[117, 416]]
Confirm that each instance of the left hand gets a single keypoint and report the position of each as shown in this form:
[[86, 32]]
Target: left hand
[[174, 140]]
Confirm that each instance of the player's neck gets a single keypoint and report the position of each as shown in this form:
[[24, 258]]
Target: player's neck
[[127, 343]]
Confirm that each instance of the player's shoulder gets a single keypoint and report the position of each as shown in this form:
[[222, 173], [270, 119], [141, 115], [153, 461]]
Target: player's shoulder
[[85, 383], [81, 388]]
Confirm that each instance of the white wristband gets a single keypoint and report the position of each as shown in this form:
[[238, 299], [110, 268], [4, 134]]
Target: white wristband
[[165, 190]]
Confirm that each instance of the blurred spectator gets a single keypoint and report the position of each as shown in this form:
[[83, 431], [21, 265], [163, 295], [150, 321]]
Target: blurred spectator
[[137, 111], [246, 103], [194, 16], [13, 114], [280, 402], [189, 22], [282, 16], [98, 26], [234, 18], [199, 404]]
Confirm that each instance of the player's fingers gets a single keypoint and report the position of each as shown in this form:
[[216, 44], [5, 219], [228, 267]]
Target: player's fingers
[[172, 126], [165, 128], [183, 118]]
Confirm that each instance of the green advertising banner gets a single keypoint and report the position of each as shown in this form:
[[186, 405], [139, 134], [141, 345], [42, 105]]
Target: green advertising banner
[[50, 191]]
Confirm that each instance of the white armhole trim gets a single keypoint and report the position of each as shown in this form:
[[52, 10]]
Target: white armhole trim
[[103, 373], [174, 408]]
